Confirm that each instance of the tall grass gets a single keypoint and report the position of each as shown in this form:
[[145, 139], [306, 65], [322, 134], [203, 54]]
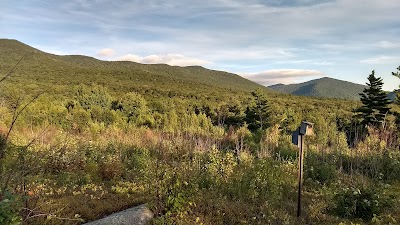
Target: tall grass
[[194, 178]]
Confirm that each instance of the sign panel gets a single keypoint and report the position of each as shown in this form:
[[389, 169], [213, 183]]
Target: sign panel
[[306, 128], [295, 137]]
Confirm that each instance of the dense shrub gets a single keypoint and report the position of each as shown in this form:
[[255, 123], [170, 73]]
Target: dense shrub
[[264, 181], [111, 167], [319, 170], [9, 210], [391, 165], [286, 152], [364, 202]]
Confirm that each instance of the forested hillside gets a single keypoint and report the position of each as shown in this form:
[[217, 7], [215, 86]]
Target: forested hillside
[[81, 138], [52, 73]]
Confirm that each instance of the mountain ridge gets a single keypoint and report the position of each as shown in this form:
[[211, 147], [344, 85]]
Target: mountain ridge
[[325, 87], [38, 66], [49, 71]]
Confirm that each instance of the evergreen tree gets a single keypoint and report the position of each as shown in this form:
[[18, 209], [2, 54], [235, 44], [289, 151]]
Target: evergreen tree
[[257, 113], [397, 74], [375, 102]]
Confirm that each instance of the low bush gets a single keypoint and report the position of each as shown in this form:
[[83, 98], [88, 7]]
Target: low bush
[[365, 202], [9, 210], [318, 170]]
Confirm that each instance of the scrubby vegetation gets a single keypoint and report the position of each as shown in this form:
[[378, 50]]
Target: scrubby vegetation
[[90, 138]]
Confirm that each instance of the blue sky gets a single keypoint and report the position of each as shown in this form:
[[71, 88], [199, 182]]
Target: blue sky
[[268, 41]]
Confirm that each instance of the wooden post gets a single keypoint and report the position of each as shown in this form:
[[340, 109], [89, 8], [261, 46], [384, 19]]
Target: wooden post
[[306, 128], [300, 177]]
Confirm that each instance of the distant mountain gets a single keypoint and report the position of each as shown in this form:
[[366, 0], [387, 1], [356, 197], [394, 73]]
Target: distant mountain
[[276, 86], [324, 87]]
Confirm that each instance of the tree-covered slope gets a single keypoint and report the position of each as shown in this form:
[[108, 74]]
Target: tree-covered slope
[[52, 73], [324, 87]]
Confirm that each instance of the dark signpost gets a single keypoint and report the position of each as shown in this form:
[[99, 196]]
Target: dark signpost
[[306, 128]]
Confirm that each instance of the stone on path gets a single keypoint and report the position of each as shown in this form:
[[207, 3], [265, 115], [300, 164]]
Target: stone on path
[[138, 215]]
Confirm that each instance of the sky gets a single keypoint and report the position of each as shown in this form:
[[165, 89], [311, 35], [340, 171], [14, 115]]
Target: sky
[[267, 41]]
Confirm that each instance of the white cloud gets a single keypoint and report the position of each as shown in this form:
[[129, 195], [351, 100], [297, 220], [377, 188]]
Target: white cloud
[[106, 52], [284, 76], [381, 60], [254, 53], [240, 35], [307, 62], [387, 44], [170, 59]]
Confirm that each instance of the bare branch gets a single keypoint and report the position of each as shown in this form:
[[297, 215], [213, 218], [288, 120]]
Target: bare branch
[[33, 213], [17, 114]]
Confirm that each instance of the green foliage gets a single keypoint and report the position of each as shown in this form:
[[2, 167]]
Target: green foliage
[[45, 110], [9, 210], [324, 88], [257, 113], [230, 113], [318, 170], [263, 180], [56, 74], [375, 102], [134, 107], [80, 119], [391, 165], [91, 96], [361, 202], [219, 165], [397, 73], [111, 167], [397, 92], [177, 197]]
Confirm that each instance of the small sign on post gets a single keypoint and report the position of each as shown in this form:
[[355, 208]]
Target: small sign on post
[[306, 128], [295, 137]]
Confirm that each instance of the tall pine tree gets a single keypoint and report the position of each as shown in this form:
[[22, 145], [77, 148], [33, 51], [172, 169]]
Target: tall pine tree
[[397, 74], [375, 102], [257, 113]]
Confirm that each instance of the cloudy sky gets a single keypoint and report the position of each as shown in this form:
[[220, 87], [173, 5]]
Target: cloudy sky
[[268, 41]]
